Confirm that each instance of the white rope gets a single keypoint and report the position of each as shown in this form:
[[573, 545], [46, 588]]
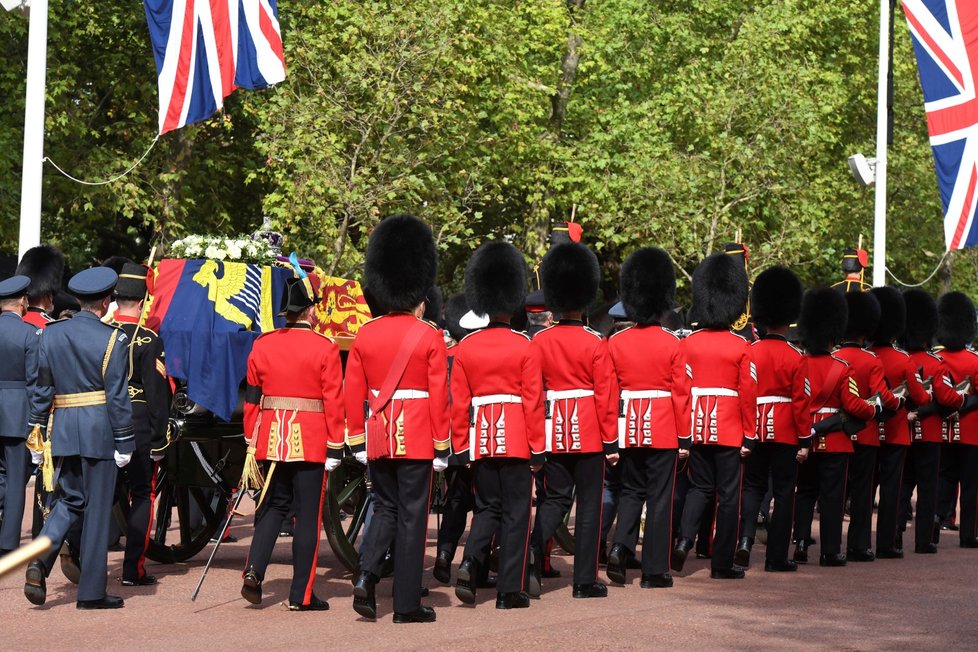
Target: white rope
[[106, 181], [926, 280]]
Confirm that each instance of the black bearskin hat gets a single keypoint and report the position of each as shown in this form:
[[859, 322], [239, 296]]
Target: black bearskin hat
[[45, 267], [116, 263], [719, 291], [433, 304], [400, 263], [648, 285], [775, 299], [864, 314], [570, 276], [495, 279], [956, 317], [921, 310], [893, 314], [824, 313], [455, 309]]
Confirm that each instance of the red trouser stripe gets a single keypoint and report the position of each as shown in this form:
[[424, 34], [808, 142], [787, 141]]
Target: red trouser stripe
[[307, 596]]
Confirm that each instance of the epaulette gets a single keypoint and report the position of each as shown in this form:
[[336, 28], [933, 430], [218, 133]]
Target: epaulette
[[671, 332], [839, 360], [934, 355], [432, 324], [624, 330], [594, 332], [797, 349], [899, 350], [740, 336]]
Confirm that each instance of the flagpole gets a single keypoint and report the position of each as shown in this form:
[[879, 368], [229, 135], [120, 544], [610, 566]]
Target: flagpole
[[30, 189], [879, 221]]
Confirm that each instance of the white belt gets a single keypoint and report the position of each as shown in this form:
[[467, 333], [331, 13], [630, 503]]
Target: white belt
[[827, 410], [404, 394], [628, 395], [495, 399], [767, 400], [713, 391], [554, 395]]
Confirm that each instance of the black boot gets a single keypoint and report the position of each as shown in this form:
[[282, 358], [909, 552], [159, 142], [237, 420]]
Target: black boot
[[251, 587], [783, 566], [801, 552], [742, 555], [419, 615], [680, 552], [616, 563], [443, 567], [315, 604], [465, 582], [364, 596], [70, 565], [727, 574], [837, 559], [517, 600], [533, 581], [35, 584], [937, 530], [860, 555], [656, 581], [594, 590]]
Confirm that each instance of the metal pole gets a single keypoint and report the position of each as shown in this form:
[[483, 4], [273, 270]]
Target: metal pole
[[30, 189], [879, 222]]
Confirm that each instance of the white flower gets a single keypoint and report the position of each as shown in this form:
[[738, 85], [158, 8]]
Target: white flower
[[215, 253], [234, 251], [192, 251]]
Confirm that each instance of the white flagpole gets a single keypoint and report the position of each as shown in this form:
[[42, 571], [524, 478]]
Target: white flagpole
[[879, 222], [30, 189]]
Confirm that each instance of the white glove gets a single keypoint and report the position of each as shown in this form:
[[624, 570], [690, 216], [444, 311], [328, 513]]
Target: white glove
[[37, 458], [156, 457], [121, 459], [439, 464], [361, 457], [332, 463]]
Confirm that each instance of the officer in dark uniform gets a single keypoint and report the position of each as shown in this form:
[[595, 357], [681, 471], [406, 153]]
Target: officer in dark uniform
[[854, 264], [19, 344], [150, 395], [82, 400]]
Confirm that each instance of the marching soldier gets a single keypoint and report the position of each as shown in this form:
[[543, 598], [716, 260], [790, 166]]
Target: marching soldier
[[723, 389], [397, 409], [19, 344], [653, 417], [82, 400], [894, 431], [854, 264], [783, 423], [581, 415], [497, 423], [44, 265]]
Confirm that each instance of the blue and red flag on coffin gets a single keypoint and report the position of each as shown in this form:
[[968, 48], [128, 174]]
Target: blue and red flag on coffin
[[209, 313], [204, 49], [945, 40]]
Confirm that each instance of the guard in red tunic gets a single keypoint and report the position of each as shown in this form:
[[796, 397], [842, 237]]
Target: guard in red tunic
[[497, 423], [581, 414], [835, 404], [956, 334], [783, 422], [723, 390], [653, 416], [294, 420], [903, 377], [864, 316], [926, 425], [397, 410], [44, 265]]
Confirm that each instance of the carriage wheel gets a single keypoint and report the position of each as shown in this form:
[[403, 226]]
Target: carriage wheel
[[345, 510]]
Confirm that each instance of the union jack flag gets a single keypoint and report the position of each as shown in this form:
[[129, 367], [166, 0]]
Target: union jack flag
[[204, 49]]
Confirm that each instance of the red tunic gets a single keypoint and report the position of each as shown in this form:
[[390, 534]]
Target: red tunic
[[37, 317], [418, 416], [497, 397], [288, 364], [650, 365], [723, 388], [898, 368], [931, 428], [868, 372], [581, 394], [783, 392], [960, 365], [834, 388]]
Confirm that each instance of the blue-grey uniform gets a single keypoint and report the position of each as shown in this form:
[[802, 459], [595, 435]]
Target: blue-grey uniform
[[82, 399], [18, 374]]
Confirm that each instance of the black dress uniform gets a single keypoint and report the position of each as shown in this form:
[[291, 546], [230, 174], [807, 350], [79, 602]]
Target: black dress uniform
[[82, 400]]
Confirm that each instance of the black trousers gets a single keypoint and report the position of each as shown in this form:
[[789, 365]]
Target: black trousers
[[300, 486], [715, 470], [921, 469], [822, 477], [704, 538], [140, 478], [565, 472], [862, 467], [503, 491], [16, 473], [402, 492], [775, 462], [459, 502], [969, 493], [950, 476], [610, 497], [889, 465], [648, 477]]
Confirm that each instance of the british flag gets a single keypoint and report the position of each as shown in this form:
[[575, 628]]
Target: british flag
[[205, 49], [945, 39]]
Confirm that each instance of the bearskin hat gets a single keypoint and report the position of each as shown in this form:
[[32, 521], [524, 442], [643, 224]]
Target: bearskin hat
[[648, 285], [864, 314], [956, 321], [893, 314], [921, 312], [570, 276], [495, 279], [775, 299], [433, 303], [45, 267], [824, 313], [116, 263], [456, 307], [719, 291], [400, 263]]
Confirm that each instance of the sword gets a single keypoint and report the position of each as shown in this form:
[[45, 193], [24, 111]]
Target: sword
[[220, 537]]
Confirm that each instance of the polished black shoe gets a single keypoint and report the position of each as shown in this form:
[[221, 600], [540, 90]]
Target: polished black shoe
[[364, 596], [936, 536], [35, 584], [656, 581], [488, 582], [595, 590], [419, 615], [518, 600], [443, 567], [702, 553], [894, 553], [251, 586], [108, 602], [949, 525], [616, 563], [465, 583], [801, 552], [549, 573], [860, 555], [679, 553], [742, 554], [926, 549], [70, 567], [837, 559], [425, 592], [969, 543], [145, 580], [783, 566], [533, 582], [315, 604], [727, 574]]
